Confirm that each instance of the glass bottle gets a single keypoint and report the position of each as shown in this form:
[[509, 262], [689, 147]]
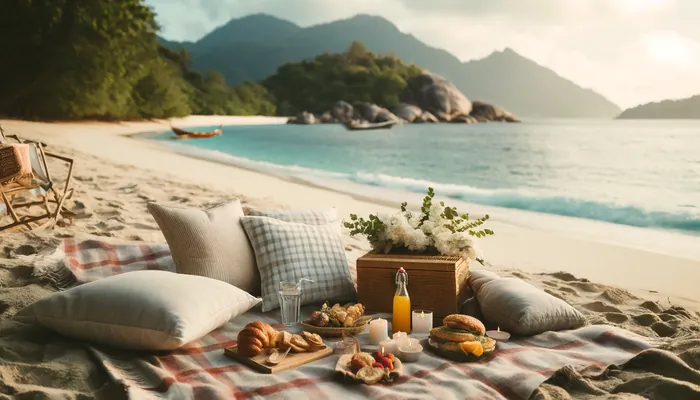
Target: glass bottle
[[401, 321]]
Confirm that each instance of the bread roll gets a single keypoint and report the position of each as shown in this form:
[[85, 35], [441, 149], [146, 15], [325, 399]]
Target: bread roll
[[465, 323]]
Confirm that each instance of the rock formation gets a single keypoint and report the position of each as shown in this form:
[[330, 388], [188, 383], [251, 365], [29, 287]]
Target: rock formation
[[432, 92], [427, 98]]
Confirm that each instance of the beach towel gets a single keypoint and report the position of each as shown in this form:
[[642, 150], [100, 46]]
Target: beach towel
[[200, 370]]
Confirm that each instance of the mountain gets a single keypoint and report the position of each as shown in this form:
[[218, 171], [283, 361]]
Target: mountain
[[252, 47], [671, 109]]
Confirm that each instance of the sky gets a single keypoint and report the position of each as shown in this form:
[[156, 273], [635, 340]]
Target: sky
[[631, 51]]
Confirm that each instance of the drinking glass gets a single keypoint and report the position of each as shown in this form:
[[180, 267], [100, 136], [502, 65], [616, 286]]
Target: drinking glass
[[290, 302]]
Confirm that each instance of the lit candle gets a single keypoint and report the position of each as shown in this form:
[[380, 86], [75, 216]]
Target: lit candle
[[498, 335], [378, 331], [400, 338], [388, 346], [410, 352], [422, 321]]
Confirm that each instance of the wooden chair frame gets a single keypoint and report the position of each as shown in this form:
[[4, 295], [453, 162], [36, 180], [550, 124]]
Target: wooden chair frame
[[50, 195]]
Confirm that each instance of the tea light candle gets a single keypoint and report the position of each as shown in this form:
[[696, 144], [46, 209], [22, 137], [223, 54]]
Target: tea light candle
[[422, 321], [388, 346], [400, 338], [498, 335], [410, 352], [378, 331]]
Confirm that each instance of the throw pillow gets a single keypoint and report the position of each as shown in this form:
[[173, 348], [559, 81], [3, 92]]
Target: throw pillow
[[522, 309], [141, 310], [288, 251], [210, 243], [309, 217], [479, 277]]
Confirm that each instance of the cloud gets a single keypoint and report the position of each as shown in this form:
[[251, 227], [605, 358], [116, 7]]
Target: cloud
[[631, 51]]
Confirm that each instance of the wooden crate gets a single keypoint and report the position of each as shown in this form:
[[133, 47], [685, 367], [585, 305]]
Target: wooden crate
[[437, 283]]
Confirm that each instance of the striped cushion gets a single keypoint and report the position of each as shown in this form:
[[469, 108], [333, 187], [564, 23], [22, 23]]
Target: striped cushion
[[289, 251], [309, 217], [210, 243]]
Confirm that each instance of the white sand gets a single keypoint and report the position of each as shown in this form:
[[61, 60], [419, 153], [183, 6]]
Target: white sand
[[116, 175], [513, 246]]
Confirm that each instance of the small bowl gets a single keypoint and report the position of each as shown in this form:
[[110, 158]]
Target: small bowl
[[498, 336], [409, 353]]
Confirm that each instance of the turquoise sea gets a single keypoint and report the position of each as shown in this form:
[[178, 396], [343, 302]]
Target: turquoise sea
[[637, 173]]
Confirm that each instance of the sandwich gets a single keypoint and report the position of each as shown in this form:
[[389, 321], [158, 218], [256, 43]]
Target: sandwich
[[462, 335]]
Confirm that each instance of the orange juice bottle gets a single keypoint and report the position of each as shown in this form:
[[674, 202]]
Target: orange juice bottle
[[402, 304]]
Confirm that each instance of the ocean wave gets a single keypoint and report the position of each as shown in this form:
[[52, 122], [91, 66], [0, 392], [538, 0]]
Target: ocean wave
[[558, 205], [520, 199]]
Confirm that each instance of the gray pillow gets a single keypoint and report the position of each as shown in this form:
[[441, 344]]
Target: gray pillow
[[480, 277], [522, 309], [308, 217], [288, 251]]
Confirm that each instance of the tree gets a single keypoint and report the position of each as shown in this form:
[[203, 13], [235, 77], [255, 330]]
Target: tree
[[74, 58], [354, 76]]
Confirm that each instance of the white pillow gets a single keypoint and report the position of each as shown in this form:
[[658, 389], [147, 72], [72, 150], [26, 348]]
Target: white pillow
[[210, 243], [141, 310]]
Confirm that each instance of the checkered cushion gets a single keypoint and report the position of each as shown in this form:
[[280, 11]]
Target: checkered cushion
[[288, 251], [308, 217]]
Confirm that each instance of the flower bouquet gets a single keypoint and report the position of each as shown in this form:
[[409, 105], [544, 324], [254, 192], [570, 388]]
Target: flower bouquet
[[438, 229]]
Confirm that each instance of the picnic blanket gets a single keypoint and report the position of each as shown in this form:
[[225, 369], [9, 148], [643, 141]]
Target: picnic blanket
[[201, 370]]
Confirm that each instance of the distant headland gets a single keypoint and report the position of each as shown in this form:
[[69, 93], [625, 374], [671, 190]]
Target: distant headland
[[668, 109]]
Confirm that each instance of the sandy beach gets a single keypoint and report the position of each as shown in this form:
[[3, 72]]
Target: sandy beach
[[650, 293]]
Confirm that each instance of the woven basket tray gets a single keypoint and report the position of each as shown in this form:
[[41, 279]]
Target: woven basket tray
[[334, 331]]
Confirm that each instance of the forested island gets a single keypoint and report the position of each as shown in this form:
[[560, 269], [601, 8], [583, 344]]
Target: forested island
[[668, 109]]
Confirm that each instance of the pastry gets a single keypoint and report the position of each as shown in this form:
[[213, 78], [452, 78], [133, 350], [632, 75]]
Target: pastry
[[315, 342], [252, 340], [299, 344], [283, 340]]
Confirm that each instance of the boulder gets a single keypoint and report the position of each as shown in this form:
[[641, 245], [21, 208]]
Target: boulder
[[373, 113], [488, 112], [342, 111], [463, 119], [305, 118], [427, 117], [436, 94], [408, 112], [326, 118]]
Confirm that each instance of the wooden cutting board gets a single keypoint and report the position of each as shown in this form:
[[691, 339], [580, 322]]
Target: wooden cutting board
[[292, 360]]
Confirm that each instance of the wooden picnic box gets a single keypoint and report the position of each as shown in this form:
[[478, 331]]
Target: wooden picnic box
[[435, 283]]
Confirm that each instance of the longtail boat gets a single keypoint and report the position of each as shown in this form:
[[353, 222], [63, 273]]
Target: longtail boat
[[369, 126], [183, 134]]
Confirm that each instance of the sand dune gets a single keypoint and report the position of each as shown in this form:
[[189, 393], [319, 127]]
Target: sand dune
[[110, 202]]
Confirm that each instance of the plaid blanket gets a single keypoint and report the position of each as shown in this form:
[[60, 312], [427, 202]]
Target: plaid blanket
[[200, 370]]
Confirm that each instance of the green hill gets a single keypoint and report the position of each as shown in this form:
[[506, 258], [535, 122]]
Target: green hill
[[668, 109], [252, 47]]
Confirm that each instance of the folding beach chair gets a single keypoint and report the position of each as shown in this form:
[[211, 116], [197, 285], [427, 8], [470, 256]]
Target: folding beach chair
[[37, 185]]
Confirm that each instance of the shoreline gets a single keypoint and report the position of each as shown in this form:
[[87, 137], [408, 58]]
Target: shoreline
[[654, 274]]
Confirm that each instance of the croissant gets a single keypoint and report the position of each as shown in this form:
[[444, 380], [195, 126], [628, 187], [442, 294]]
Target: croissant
[[255, 337]]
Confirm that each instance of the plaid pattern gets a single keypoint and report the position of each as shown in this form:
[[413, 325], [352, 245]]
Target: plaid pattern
[[89, 260], [201, 371], [287, 251], [308, 217]]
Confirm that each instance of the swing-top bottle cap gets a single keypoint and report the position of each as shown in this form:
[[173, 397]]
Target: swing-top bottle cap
[[402, 271]]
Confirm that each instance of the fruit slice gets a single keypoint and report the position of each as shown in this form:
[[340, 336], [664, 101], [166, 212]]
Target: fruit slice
[[370, 375], [472, 348]]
